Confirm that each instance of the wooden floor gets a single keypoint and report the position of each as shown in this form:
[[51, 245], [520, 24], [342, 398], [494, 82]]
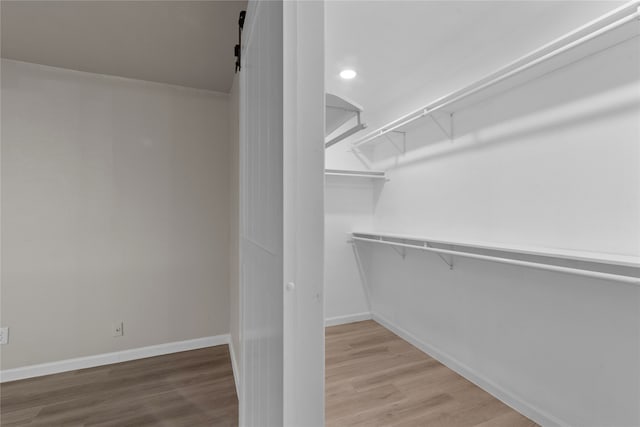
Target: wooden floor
[[374, 378], [190, 389]]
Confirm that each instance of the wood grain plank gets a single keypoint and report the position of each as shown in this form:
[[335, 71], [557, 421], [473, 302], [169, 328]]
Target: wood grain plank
[[374, 378], [190, 389]]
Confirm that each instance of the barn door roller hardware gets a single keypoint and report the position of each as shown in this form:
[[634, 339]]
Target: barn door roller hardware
[[238, 47]]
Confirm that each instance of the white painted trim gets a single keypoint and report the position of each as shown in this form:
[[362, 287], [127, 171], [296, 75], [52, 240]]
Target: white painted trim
[[349, 318], [235, 367], [506, 396], [110, 358]]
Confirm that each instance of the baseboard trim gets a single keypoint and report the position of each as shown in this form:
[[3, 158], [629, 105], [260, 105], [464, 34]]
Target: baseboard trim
[[234, 367], [110, 358], [534, 413], [349, 318]]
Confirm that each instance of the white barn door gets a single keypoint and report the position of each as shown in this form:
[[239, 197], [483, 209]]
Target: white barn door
[[282, 215]]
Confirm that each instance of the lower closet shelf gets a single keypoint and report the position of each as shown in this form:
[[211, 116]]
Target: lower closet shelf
[[356, 174], [435, 246]]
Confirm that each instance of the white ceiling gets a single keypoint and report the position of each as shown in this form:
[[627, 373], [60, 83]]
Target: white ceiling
[[407, 53], [186, 43]]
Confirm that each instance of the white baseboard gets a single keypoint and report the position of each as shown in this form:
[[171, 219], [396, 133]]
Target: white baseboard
[[349, 318], [534, 413], [109, 358], [235, 367]]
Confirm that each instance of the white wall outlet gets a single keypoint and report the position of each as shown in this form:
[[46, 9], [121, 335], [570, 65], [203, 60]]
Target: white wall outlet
[[4, 335], [117, 329]]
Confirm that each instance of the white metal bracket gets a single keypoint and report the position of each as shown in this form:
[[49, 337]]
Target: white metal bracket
[[447, 119], [448, 262], [401, 251], [403, 149], [358, 155]]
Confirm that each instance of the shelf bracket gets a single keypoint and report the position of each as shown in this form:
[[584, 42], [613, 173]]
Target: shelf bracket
[[400, 251], [403, 149], [358, 155], [451, 133], [448, 262], [448, 133]]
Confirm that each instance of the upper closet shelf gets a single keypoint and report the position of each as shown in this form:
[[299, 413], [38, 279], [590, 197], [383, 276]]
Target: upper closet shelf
[[613, 28], [338, 112], [630, 263]]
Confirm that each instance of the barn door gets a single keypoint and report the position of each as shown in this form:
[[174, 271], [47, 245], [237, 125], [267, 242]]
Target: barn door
[[281, 205]]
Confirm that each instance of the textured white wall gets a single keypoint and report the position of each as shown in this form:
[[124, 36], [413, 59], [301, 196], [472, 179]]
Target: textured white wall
[[115, 206], [554, 163], [445, 46], [348, 206]]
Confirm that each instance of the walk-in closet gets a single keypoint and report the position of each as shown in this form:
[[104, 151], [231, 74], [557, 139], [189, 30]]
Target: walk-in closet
[[308, 213], [482, 205]]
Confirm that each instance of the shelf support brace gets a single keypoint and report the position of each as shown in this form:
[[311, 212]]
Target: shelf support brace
[[449, 263], [451, 134], [447, 133], [358, 155], [400, 251], [402, 150]]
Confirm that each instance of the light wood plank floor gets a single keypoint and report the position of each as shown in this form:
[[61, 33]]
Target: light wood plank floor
[[190, 389], [374, 378]]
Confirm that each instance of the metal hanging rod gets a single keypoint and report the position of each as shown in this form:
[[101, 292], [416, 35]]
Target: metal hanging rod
[[559, 269], [629, 11], [354, 173]]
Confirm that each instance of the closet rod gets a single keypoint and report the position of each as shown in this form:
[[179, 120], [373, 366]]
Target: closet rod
[[588, 273], [364, 174], [496, 78]]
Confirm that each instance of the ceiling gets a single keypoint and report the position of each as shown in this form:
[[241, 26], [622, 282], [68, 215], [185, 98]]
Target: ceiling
[[186, 43], [408, 53]]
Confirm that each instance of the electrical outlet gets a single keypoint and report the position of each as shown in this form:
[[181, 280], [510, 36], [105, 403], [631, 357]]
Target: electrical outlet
[[117, 329], [4, 335]]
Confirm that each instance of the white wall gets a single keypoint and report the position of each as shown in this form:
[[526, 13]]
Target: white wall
[[348, 206], [561, 349], [427, 50], [115, 206], [554, 163]]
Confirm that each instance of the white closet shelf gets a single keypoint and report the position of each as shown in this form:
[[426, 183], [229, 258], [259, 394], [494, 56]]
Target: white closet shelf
[[423, 243], [606, 31], [339, 111], [356, 174]]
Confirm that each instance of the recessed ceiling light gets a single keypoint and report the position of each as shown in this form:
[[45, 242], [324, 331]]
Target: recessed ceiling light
[[348, 74]]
